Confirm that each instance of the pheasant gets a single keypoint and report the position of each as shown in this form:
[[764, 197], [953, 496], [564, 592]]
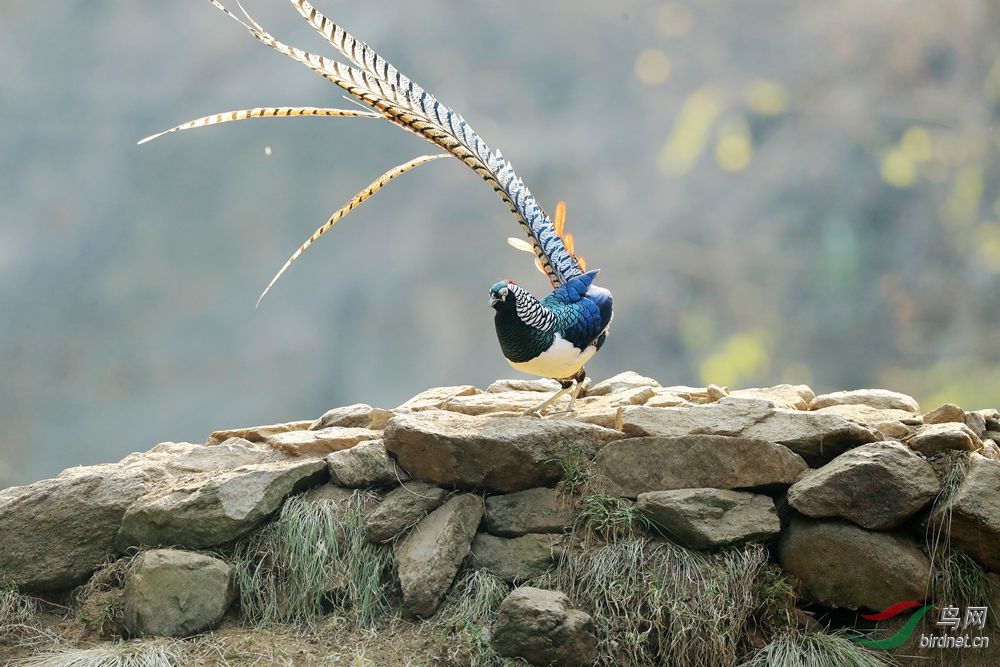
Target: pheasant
[[553, 337]]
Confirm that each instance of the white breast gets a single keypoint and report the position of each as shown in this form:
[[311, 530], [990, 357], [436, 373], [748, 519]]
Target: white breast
[[561, 361]]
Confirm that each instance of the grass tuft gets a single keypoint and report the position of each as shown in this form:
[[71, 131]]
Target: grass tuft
[[466, 616], [154, 653], [576, 473], [100, 603], [796, 648], [313, 559], [610, 517], [656, 603], [19, 621]]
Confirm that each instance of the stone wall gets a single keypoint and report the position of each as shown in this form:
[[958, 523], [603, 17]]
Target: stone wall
[[842, 489]]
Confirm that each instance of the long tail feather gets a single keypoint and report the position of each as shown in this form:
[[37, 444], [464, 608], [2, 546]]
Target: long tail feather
[[360, 197], [380, 85], [264, 112]]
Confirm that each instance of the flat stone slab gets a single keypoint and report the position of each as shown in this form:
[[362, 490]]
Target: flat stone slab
[[936, 438], [256, 433], [428, 558], [788, 396], [363, 465], [708, 518], [359, 415], [877, 486], [215, 508], [539, 510], [842, 565], [436, 398], [501, 454], [626, 381], [322, 441], [883, 399], [638, 465]]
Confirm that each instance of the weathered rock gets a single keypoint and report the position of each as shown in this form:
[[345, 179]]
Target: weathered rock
[[537, 510], [991, 418], [359, 415], [667, 398], [621, 382], [842, 565], [402, 508], [882, 399], [494, 453], [430, 555], [320, 442], [544, 385], [436, 398], [542, 627], [638, 465], [603, 410], [976, 423], [215, 508], [975, 512], [788, 396], [990, 449], [708, 518], [815, 437], [936, 438], [878, 486], [944, 414], [185, 457], [729, 416], [512, 402], [176, 593], [256, 433], [57, 531], [514, 559], [365, 464], [895, 424]]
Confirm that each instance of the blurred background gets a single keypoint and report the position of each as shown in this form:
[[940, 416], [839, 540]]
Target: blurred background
[[777, 191]]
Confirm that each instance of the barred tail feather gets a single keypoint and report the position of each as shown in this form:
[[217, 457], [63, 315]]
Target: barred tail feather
[[264, 112], [380, 85], [353, 203]]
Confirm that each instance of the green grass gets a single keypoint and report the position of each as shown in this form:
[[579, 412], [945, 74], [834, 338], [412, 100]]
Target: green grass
[[576, 473], [311, 560], [656, 603], [796, 648]]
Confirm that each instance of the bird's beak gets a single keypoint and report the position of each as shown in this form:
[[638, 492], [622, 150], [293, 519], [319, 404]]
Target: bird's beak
[[494, 300]]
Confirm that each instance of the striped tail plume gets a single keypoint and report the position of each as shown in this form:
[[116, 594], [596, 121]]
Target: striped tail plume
[[377, 83]]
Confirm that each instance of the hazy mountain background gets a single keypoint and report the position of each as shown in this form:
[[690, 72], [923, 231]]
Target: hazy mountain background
[[777, 191]]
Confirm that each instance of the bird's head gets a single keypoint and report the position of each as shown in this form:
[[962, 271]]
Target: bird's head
[[502, 293]]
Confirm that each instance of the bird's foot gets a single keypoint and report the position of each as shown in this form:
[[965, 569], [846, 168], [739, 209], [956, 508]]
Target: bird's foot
[[573, 389]]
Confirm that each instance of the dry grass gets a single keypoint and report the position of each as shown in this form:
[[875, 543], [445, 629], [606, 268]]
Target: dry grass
[[152, 653], [655, 603], [312, 560], [464, 620], [815, 649]]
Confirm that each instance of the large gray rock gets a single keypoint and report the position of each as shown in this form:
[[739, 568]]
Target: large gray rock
[[816, 437], [637, 465], [430, 555], [402, 508], [176, 593], [544, 385], [842, 565], [212, 509], [542, 627], [538, 510], [878, 486], [436, 398], [709, 518], [56, 532], [883, 399], [494, 453], [514, 559], [788, 396], [891, 424], [975, 512], [363, 465], [936, 438]]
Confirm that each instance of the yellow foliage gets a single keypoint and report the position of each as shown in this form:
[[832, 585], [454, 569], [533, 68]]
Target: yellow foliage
[[734, 146], [897, 169], [742, 357], [966, 195], [768, 98], [690, 133], [916, 144]]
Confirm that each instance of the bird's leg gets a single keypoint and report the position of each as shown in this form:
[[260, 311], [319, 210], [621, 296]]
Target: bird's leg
[[571, 387]]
